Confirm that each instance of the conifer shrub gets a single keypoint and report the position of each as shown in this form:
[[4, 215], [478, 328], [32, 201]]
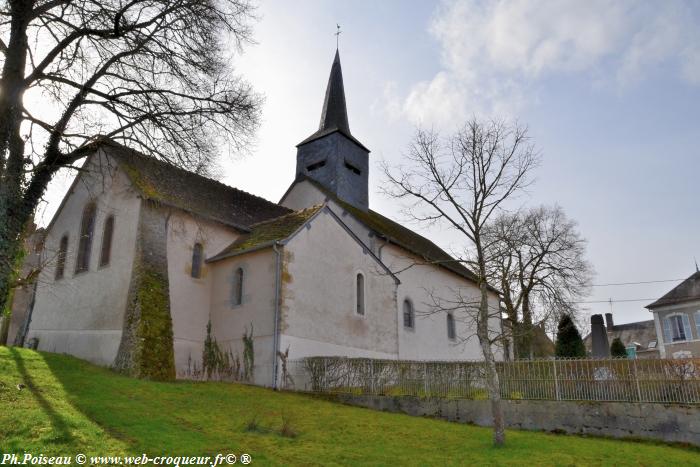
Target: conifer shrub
[[569, 343]]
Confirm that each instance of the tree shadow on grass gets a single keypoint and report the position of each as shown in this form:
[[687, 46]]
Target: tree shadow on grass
[[57, 421]]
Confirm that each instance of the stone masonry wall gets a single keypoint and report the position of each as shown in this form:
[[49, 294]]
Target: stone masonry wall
[[670, 423]]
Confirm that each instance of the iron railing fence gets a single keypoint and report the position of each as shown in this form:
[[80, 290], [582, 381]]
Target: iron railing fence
[[657, 380]]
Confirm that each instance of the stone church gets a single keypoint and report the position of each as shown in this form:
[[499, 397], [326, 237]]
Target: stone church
[[143, 258]]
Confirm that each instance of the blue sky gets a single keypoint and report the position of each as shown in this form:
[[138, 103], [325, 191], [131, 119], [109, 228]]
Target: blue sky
[[609, 89]]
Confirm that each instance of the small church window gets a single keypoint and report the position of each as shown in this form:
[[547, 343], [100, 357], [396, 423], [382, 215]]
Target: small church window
[[360, 298], [237, 295], [61, 257], [316, 165], [451, 331], [197, 261], [408, 314], [106, 251], [87, 230], [352, 168]]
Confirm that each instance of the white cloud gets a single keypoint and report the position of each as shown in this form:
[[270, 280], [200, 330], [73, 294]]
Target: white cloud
[[494, 52]]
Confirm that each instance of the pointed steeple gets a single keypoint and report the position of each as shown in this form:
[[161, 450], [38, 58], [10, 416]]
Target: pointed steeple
[[334, 115], [332, 156]]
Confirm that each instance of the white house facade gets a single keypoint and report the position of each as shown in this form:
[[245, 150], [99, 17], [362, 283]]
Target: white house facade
[[677, 319]]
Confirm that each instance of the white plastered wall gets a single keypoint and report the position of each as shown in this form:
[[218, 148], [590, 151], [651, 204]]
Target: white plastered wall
[[83, 314], [303, 195], [229, 321], [189, 296], [428, 340], [318, 313]]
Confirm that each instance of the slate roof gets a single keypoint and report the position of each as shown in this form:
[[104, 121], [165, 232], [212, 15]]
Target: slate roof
[[399, 235], [179, 188], [266, 233], [686, 291], [334, 115]]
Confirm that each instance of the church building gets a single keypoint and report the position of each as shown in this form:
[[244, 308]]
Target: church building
[[149, 264]]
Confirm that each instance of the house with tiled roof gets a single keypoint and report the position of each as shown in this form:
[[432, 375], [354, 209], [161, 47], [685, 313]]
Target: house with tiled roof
[[160, 272], [677, 319]]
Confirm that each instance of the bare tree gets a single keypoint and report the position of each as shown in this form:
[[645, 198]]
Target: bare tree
[[151, 74], [536, 257], [463, 182]]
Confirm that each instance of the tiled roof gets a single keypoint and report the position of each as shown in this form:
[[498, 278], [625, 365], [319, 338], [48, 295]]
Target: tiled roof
[[686, 291], [266, 233], [162, 182]]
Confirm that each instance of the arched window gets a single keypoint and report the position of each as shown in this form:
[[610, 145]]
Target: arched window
[[408, 314], [107, 234], [360, 294], [61, 257], [677, 328], [197, 261], [87, 230], [237, 292], [451, 332]]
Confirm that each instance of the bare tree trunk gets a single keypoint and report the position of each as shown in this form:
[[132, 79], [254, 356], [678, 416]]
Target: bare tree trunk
[[492, 381], [526, 331]]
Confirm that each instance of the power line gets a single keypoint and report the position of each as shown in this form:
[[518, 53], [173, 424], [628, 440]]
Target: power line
[[640, 282], [610, 300], [620, 301]]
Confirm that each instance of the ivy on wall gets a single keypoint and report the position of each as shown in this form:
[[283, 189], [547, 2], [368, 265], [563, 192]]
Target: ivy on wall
[[155, 355]]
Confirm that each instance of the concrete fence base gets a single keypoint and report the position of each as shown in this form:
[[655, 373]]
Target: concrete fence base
[[670, 423]]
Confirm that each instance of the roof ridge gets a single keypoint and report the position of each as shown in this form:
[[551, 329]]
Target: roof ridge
[[315, 207]]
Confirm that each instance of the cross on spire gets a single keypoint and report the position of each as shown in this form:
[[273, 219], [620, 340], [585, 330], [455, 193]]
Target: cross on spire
[[337, 36]]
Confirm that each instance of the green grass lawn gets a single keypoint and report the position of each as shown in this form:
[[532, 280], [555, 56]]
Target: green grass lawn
[[70, 406]]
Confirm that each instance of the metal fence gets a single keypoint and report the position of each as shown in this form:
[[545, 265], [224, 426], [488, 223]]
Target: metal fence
[[663, 381]]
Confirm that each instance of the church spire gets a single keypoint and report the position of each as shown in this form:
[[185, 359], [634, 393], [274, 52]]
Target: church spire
[[334, 115], [332, 156]]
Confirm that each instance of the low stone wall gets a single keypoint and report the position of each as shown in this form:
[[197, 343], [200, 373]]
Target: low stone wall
[[671, 423]]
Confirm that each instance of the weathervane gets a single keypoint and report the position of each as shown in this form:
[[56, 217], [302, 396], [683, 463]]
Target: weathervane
[[337, 35]]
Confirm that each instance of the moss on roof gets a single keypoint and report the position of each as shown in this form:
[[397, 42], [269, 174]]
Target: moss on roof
[[167, 184], [265, 233]]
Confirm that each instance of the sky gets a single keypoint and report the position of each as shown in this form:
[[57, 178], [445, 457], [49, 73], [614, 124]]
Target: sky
[[609, 90]]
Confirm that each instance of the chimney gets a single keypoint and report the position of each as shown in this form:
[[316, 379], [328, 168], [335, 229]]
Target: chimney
[[608, 321], [599, 338]]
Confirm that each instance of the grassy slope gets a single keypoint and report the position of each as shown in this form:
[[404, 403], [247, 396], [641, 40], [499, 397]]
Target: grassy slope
[[70, 406]]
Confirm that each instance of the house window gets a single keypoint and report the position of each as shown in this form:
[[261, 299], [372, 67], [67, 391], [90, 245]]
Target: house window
[[106, 251], [451, 332], [677, 328], [87, 230], [360, 294], [408, 314], [237, 291], [61, 257], [697, 324], [197, 261]]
